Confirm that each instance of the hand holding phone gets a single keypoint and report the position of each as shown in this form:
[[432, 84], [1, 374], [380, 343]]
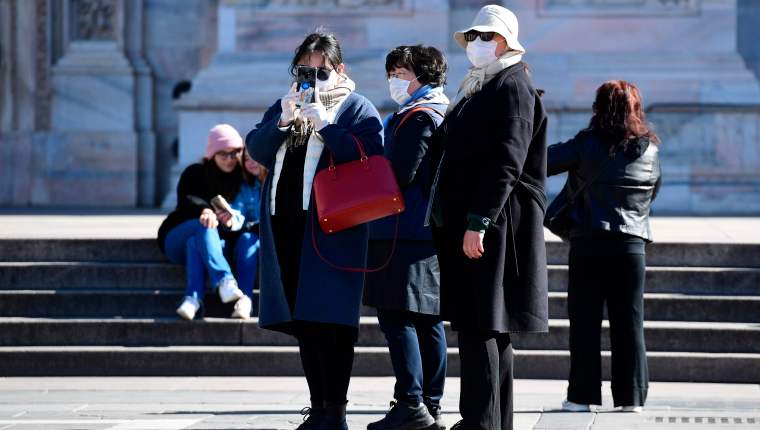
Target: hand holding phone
[[306, 81]]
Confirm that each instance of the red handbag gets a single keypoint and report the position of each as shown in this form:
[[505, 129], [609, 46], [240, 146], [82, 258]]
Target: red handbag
[[356, 192]]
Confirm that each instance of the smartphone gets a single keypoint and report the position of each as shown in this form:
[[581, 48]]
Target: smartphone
[[306, 80], [220, 204]]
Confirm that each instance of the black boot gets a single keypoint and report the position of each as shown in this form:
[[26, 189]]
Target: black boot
[[312, 416], [333, 418], [435, 412], [404, 416]]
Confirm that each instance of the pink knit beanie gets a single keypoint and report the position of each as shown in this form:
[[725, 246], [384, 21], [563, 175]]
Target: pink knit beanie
[[222, 137]]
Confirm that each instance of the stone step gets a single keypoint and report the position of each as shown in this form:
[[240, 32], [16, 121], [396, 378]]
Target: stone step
[[660, 336], [155, 275], [142, 250], [146, 303], [369, 361], [682, 307]]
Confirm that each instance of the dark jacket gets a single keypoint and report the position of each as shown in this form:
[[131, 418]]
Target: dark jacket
[[494, 166], [194, 192], [620, 199], [407, 149], [324, 294], [411, 281]]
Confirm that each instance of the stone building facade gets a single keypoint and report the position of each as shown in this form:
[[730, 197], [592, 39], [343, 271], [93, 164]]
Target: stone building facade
[[91, 112]]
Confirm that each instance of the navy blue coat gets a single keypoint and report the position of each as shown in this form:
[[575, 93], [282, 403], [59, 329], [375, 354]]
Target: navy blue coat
[[406, 148], [324, 294]]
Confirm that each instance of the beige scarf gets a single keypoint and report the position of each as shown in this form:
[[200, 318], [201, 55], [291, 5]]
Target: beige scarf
[[303, 128], [476, 77]]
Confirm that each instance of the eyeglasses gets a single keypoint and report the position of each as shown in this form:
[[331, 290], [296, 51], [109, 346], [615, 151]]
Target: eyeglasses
[[323, 73], [230, 155], [486, 36]]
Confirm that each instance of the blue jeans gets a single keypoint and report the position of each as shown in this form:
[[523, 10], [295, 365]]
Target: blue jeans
[[417, 344], [202, 251]]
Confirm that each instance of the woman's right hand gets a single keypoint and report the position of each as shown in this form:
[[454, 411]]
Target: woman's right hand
[[208, 219], [288, 104]]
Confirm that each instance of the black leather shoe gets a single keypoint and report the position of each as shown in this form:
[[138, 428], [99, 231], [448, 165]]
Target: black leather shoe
[[311, 416], [404, 416], [435, 412]]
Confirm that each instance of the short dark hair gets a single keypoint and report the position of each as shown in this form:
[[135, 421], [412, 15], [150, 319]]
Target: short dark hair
[[427, 63], [321, 42]]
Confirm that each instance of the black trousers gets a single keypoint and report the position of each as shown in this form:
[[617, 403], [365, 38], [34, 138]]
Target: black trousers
[[327, 357], [618, 281], [486, 375]]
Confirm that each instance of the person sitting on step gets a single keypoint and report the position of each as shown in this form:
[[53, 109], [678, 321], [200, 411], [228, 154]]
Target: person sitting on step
[[196, 235]]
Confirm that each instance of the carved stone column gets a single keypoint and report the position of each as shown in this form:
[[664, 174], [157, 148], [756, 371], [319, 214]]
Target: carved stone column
[[93, 147], [146, 138]]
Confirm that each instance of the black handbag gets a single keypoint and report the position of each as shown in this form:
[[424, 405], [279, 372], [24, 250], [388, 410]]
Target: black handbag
[[557, 218]]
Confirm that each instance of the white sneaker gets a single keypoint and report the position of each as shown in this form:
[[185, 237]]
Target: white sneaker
[[188, 308], [635, 409], [569, 406], [242, 308], [229, 291]]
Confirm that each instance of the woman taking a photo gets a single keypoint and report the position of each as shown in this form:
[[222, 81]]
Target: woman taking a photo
[[406, 292], [615, 161], [197, 236], [487, 212], [301, 293]]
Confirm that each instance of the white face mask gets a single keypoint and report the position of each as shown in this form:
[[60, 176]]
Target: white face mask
[[330, 83], [481, 53], [399, 90]]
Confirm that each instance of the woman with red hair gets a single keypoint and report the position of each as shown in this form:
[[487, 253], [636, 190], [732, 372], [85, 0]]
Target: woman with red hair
[[615, 166]]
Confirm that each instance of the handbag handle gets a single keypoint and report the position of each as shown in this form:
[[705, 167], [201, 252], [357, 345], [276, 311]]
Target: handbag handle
[[362, 154]]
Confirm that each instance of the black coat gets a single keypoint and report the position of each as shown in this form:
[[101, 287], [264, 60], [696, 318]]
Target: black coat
[[620, 198], [494, 166], [411, 281], [194, 193]]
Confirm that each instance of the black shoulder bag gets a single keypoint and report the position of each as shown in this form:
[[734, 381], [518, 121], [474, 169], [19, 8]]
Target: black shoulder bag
[[557, 218]]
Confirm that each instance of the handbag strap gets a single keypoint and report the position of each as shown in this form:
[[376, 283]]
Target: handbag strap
[[602, 168], [348, 268], [363, 158], [409, 113]]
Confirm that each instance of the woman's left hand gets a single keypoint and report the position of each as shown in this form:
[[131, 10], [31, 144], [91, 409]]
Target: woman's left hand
[[472, 245], [316, 112]]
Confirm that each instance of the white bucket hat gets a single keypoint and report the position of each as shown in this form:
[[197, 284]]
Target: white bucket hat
[[494, 18]]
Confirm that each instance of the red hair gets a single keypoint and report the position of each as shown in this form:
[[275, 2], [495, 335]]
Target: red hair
[[618, 113]]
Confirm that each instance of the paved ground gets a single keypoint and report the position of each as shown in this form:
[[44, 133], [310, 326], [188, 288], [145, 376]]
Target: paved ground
[[144, 224], [273, 403]]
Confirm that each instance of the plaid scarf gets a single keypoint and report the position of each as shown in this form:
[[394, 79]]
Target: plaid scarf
[[303, 128]]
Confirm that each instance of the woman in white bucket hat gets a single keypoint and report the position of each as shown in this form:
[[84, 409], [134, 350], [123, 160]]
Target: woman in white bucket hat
[[487, 209]]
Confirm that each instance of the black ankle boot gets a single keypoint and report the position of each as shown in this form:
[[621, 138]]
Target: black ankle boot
[[404, 416], [312, 416], [333, 418]]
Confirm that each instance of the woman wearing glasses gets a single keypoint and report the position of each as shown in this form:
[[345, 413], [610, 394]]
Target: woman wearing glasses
[[487, 211], [406, 292], [197, 236], [301, 293]]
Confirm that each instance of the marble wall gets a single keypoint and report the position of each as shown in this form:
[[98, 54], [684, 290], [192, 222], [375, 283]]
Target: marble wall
[[105, 104]]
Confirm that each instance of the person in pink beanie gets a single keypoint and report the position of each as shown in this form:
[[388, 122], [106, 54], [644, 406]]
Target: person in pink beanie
[[198, 236]]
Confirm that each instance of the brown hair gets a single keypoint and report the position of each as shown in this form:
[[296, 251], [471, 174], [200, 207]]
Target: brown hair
[[247, 176], [618, 114]]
